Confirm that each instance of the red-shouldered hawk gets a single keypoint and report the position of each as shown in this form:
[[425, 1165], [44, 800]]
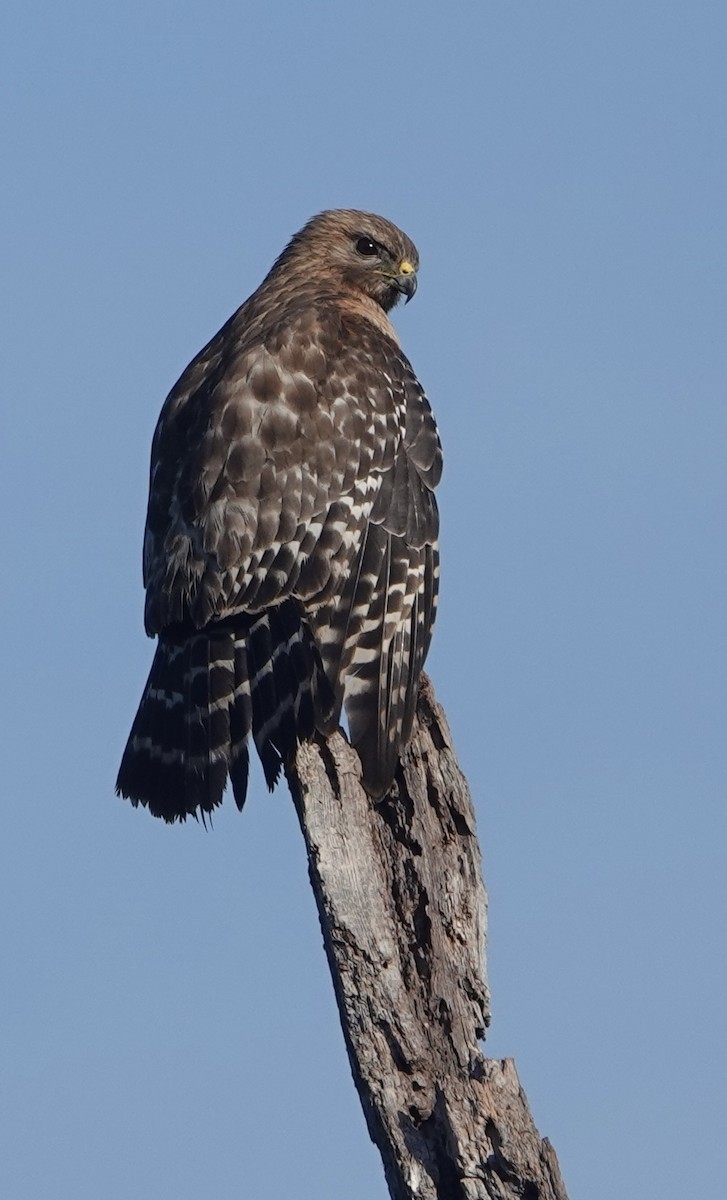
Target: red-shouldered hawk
[[290, 553]]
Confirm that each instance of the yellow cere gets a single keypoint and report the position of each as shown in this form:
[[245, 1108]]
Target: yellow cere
[[406, 268]]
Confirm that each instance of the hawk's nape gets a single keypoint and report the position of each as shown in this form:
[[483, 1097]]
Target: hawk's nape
[[290, 554]]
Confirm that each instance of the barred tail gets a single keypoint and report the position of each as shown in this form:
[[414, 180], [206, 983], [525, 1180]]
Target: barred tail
[[208, 691]]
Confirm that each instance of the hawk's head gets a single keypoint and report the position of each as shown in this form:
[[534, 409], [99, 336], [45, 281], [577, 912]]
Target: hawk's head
[[357, 250]]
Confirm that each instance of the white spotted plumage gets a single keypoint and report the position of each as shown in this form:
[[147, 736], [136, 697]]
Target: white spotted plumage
[[290, 554]]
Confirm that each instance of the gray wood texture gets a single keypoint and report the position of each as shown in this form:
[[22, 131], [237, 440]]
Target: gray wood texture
[[403, 911]]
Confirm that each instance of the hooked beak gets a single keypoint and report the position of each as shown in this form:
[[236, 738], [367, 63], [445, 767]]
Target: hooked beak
[[406, 280]]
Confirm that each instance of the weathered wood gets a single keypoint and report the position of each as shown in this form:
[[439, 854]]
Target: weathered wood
[[403, 911]]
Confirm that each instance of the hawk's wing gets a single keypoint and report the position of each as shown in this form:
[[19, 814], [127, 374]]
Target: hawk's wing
[[298, 460], [375, 636]]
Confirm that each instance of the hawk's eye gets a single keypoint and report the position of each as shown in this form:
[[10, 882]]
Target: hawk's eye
[[364, 245]]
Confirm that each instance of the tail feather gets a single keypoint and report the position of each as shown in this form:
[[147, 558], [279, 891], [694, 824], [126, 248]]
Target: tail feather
[[267, 715], [209, 682], [208, 691], [240, 723]]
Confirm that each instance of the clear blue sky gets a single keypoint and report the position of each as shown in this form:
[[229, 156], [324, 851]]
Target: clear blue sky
[[168, 1025]]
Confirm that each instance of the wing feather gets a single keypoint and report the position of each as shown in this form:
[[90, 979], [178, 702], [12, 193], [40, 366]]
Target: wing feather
[[302, 464]]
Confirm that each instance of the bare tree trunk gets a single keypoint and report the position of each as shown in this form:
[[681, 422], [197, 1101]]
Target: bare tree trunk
[[403, 912]]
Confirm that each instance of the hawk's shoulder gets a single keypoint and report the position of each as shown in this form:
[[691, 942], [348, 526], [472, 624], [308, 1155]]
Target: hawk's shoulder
[[281, 417]]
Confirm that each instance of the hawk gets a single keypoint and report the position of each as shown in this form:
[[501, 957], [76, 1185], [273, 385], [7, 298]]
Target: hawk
[[290, 551]]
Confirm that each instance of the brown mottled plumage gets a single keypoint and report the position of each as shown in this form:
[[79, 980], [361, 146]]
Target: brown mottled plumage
[[290, 554]]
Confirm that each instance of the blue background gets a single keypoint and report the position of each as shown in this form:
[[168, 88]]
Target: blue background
[[168, 1023]]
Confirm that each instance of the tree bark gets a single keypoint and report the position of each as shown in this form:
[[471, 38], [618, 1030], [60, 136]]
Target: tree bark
[[403, 911]]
